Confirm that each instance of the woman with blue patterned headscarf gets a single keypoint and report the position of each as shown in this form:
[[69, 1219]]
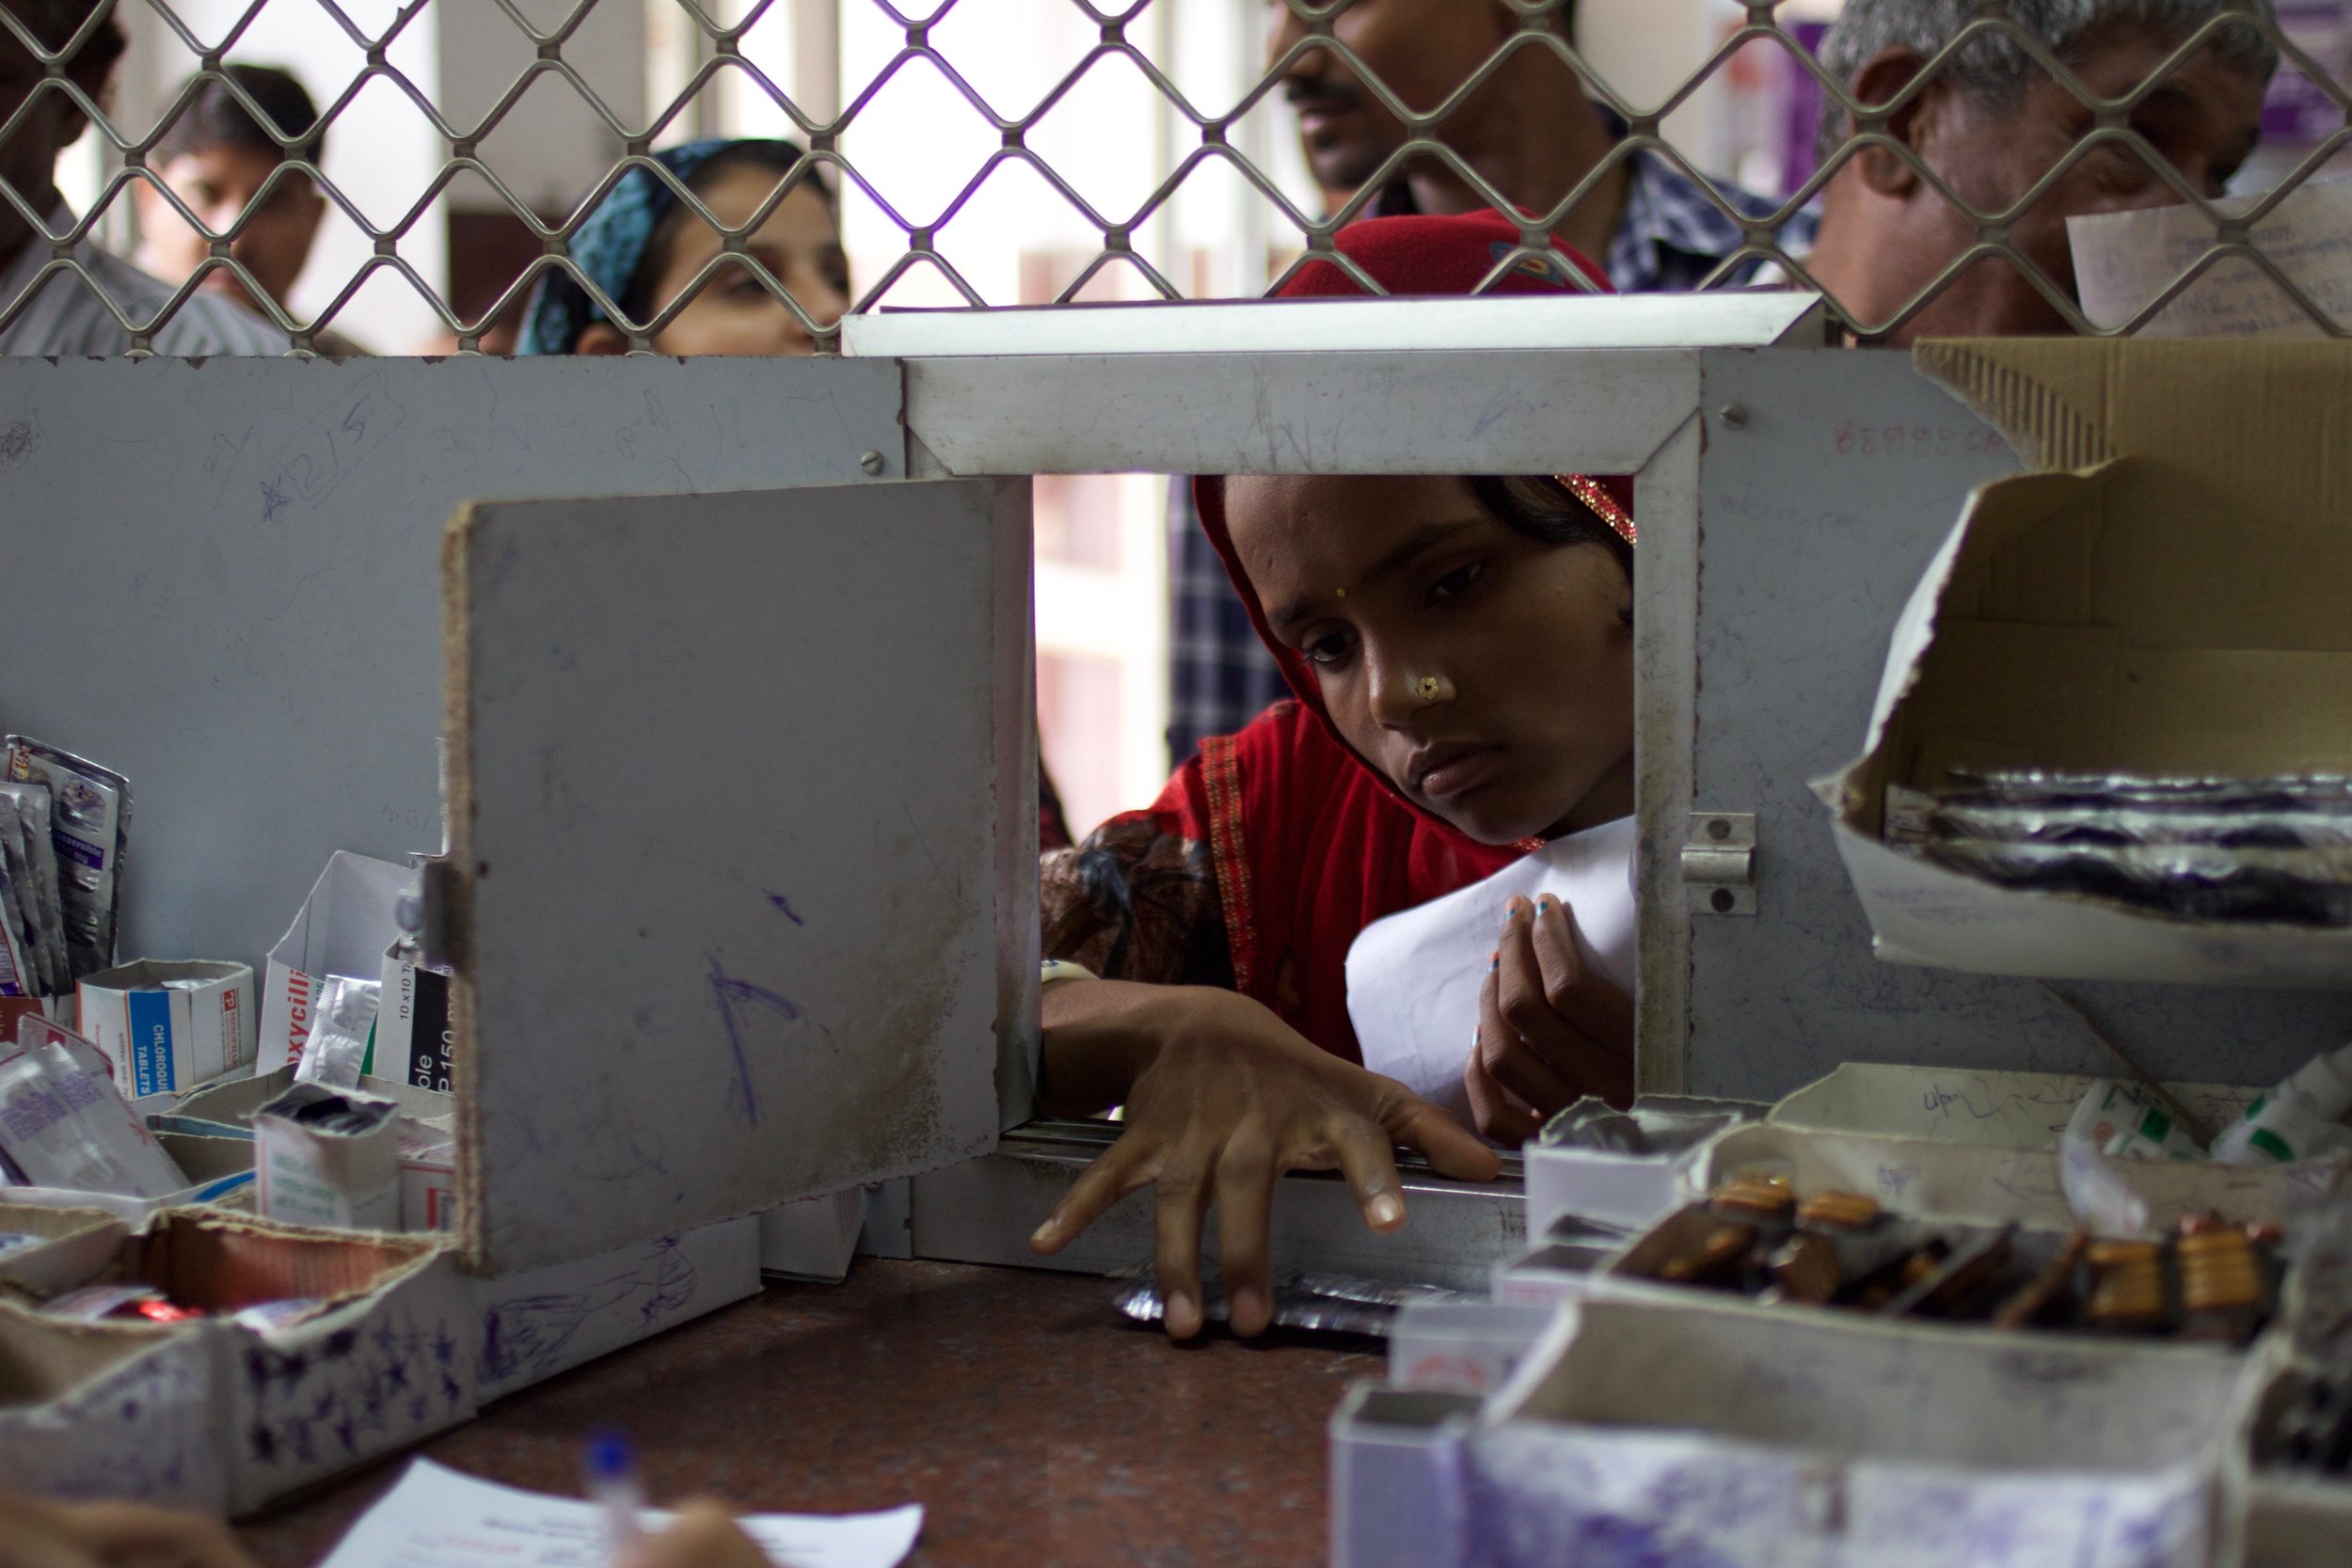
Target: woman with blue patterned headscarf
[[643, 247]]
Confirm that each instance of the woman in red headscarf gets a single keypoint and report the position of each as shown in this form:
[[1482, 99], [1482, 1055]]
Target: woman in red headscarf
[[1462, 653]]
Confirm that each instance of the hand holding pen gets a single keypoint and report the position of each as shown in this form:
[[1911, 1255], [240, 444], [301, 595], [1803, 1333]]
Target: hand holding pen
[[702, 1534]]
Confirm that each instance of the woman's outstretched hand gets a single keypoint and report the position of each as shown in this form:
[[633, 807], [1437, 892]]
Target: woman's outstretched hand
[[1222, 1097], [1550, 1030]]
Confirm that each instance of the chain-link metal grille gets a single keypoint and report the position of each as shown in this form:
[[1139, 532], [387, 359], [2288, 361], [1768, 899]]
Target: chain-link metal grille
[[875, 74]]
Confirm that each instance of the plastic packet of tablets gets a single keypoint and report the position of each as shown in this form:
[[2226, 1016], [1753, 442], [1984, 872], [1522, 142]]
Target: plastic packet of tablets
[[342, 1023], [22, 820], [90, 825], [35, 814], [63, 1123]]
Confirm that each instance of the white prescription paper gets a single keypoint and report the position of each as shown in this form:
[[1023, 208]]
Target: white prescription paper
[[2125, 259], [1413, 979], [437, 1517]]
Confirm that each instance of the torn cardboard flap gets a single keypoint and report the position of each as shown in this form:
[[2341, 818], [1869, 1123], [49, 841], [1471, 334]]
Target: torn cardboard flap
[[74, 1243], [2170, 604], [225, 1263]]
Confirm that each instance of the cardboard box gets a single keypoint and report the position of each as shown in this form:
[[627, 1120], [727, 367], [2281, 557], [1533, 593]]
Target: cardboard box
[[170, 1026], [428, 1177], [1463, 1347], [427, 1150], [76, 1243], [343, 928], [813, 1239], [1993, 1110], [543, 1322], [1554, 1271], [414, 1037], [1744, 1439], [1389, 1481], [313, 1174], [125, 1412], [1983, 1148], [1991, 1185], [230, 1103], [372, 1357], [218, 1173], [2281, 1518], [1630, 1190], [2106, 618]]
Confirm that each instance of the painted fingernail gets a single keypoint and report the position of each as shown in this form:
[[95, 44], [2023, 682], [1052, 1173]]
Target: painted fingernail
[[1546, 904], [1494, 962], [1387, 1211]]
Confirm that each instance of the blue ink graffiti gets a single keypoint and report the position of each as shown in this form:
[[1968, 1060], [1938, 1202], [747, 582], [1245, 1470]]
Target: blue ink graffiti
[[731, 994]]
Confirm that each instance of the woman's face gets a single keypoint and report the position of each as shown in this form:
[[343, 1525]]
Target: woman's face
[[1385, 582], [735, 313]]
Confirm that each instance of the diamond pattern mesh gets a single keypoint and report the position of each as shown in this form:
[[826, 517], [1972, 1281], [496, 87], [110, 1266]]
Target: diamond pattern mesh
[[1102, 49]]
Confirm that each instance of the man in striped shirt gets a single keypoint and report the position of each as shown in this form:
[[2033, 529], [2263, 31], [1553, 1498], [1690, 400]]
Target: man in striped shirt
[[55, 311]]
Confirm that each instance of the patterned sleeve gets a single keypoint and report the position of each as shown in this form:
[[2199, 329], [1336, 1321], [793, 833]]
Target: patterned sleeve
[[1138, 899]]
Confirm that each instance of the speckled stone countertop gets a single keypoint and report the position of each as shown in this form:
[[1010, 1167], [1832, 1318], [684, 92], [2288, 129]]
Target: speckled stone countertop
[[1034, 1425]]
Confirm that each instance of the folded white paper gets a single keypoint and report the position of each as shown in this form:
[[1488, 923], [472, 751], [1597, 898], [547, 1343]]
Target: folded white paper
[[1413, 979]]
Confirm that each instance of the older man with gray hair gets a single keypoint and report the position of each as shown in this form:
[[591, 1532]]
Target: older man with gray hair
[[1991, 122]]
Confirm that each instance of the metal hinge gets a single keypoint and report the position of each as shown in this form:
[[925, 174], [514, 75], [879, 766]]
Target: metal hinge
[[1719, 862]]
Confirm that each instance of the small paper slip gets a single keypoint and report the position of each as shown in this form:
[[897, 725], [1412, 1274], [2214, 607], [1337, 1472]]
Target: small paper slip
[[2125, 259], [437, 1517]]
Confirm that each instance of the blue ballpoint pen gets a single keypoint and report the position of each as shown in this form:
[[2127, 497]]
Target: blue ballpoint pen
[[609, 1473]]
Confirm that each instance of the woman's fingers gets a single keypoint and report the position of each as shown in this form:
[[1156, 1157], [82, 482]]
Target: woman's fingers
[[1593, 1007], [1367, 1157], [1180, 1198], [704, 1535], [1577, 1064], [1509, 1058], [1497, 1114], [1245, 1174], [1119, 1171]]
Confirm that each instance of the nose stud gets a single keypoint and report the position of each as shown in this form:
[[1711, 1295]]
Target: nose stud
[[1434, 688]]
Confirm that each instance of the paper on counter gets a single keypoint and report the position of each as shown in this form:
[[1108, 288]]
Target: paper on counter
[[1413, 979], [2125, 259], [437, 1517]]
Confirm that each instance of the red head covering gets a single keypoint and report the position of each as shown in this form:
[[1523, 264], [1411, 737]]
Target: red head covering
[[1313, 843]]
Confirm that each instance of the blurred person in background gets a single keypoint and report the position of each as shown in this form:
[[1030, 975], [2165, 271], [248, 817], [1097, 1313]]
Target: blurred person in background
[[1992, 122], [1531, 133], [644, 248], [60, 314], [219, 159]]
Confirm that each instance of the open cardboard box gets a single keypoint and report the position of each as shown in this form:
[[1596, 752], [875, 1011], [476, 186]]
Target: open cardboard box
[[115, 1410], [1983, 1148], [2280, 1517], [379, 1355], [1737, 1437], [2167, 597], [219, 1173]]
